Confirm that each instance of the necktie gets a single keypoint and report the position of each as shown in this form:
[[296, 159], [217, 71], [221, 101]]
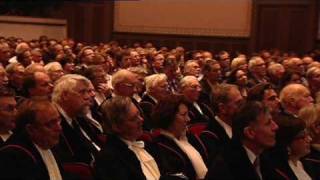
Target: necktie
[[256, 165]]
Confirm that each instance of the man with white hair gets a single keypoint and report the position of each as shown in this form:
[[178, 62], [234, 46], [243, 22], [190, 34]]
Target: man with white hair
[[71, 95], [190, 88], [54, 70], [156, 90], [293, 97], [258, 71]]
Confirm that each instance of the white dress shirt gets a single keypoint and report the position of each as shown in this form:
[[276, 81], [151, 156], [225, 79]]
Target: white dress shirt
[[298, 170], [225, 126]]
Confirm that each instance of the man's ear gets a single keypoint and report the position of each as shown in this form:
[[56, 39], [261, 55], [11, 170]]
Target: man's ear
[[249, 132]]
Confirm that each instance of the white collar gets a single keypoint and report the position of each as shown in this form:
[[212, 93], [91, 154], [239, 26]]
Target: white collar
[[226, 127], [252, 157]]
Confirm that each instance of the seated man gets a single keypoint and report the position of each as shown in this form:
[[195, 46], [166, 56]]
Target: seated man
[[7, 114], [79, 140], [123, 157], [27, 153], [253, 132]]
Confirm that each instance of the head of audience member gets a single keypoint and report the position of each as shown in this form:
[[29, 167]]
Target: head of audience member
[[124, 83], [37, 56], [293, 139], [257, 67], [157, 62], [21, 47], [276, 72], [311, 116], [192, 68], [207, 55], [157, 86], [16, 73], [198, 56], [224, 60], [212, 71], [38, 85], [190, 88], [293, 97], [264, 93], [4, 53], [122, 118], [3, 77], [238, 77], [313, 77], [72, 93], [226, 101], [254, 127], [134, 58], [67, 65], [295, 65], [41, 121], [35, 67], [172, 115], [8, 110], [266, 56], [307, 60], [239, 63], [86, 55], [25, 58], [57, 49], [140, 73], [170, 67], [97, 76], [54, 70]]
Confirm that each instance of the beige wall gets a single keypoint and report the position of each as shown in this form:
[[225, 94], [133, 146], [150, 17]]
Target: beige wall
[[186, 17], [31, 28]]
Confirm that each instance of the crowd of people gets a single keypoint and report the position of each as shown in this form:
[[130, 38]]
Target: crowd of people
[[108, 111]]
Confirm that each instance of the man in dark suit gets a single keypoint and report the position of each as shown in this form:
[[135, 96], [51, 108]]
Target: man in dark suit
[[7, 113], [253, 132], [211, 78], [198, 112], [27, 154], [78, 143], [122, 157], [219, 131]]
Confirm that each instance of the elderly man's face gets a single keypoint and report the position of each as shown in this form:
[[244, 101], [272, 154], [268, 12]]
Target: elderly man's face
[[135, 58], [194, 69], [43, 86], [128, 87], [297, 66], [161, 89], [192, 90], [56, 72], [158, 61], [131, 128], [17, 76], [303, 98], [260, 67], [45, 132], [79, 98]]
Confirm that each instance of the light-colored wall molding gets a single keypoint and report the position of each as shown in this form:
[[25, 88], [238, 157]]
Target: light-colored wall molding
[[31, 28], [226, 18]]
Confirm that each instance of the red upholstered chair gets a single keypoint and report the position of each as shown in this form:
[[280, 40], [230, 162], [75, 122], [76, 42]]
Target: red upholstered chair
[[197, 128], [146, 136], [81, 170]]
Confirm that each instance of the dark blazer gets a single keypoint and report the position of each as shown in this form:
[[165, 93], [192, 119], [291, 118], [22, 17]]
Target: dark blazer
[[205, 95], [72, 147], [311, 163], [117, 162], [171, 159], [147, 104], [20, 159], [233, 163], [196, 116], [214, 138]]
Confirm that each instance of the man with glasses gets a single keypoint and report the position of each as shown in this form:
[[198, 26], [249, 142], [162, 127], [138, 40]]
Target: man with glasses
[[258, 71], [71, 95]]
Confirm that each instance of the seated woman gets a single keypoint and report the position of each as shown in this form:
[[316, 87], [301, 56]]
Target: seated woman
[[311, 162], [178, 153], [293, 143]]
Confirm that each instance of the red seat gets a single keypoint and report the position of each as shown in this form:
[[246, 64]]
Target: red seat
[[81, 170], [197, 128], [146, 136]]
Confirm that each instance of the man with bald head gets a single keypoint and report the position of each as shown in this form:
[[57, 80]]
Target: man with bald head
[[293, 97]]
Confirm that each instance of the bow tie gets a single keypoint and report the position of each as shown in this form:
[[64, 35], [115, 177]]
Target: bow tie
[[137, 144]]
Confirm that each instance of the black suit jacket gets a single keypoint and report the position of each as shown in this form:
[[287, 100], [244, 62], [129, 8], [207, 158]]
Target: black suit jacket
[[214, 138], [206, 92], [171, 159], [195, 115], [311, 163], [71, 147], [117, 162], [233, 163], [20, 159]]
